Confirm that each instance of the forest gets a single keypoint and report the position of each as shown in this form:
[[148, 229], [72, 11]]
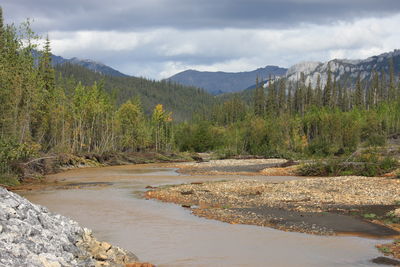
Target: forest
[[69, 109]]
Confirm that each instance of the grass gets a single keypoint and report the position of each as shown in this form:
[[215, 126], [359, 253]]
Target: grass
[[370, 216], [9, 179], [385, 250]]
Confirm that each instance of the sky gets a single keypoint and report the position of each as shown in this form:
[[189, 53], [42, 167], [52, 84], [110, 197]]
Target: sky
[[158, 38]]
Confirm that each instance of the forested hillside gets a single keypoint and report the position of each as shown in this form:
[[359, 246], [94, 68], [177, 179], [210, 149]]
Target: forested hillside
[[182, 101], [79, 111]]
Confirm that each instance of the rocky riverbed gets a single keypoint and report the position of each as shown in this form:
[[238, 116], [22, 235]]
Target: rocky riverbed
[[237, 167], [30, 235], [314, 205]]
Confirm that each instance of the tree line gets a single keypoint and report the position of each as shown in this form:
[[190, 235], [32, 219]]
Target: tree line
[[289, 118], [40, 112]]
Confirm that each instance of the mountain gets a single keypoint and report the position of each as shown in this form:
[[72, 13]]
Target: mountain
[[87, 63], [345, 71], [225, 82], [182, 101]]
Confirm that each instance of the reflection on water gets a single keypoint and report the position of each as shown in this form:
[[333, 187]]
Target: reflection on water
[[168, 235]]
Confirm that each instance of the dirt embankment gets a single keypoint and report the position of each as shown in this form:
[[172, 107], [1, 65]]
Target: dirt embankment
[[32, 172]]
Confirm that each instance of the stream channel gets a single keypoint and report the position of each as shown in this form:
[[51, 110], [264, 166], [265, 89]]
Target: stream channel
[[169, 235]]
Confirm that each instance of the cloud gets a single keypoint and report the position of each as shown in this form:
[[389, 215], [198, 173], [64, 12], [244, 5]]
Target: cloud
[[127, 15], [159, 53], [157, 38]]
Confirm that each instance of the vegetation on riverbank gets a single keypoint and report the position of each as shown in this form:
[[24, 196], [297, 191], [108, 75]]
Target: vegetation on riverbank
[[44, 119], [369, 162]]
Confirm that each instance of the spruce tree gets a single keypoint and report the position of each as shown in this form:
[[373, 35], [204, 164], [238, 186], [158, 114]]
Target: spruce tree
[[271, 106], [46, 69], [1, 32], [310, 94], [318, 93], [392, 86], [334, 100], [259, 99], [282, 96], [383, 90], [327, 97], [43, 129], [359, 93]]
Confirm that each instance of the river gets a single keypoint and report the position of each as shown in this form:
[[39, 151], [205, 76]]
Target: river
[[169, 235]]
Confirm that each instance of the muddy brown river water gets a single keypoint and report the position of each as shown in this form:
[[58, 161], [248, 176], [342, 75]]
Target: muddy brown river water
[[169, 235]]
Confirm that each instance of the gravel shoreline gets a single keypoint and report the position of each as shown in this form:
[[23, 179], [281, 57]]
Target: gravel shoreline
[[231, 166], [307, 205]]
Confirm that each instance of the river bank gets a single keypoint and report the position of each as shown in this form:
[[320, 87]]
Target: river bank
[[30, 175]]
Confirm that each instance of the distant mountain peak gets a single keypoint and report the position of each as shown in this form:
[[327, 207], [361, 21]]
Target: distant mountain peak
[[96, 66], [225, 82], [344, 69]]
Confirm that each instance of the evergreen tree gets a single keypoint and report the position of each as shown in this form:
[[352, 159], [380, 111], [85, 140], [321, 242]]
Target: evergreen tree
[[1, 32], [259, 99], [318, 93], [290, 100], [392, 86], [46, 68], [272, 99], [359, 93], [327, 97], [310, 95], [383, 90], [282, 96], [334, 100], [373, 90]]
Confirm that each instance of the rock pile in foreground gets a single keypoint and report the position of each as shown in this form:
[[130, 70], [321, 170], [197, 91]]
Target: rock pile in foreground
[[30, 235]]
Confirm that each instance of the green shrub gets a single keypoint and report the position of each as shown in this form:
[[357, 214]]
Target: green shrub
[[368, 164], [12, 153], [376, 140], [9, 179], [370, 216]]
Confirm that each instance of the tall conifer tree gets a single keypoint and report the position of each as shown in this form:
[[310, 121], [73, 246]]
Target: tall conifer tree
[[328, 89]]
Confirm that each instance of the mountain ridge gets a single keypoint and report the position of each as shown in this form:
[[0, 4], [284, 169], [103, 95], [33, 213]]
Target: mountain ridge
[[225, 82], [344, 70], [92, 65]]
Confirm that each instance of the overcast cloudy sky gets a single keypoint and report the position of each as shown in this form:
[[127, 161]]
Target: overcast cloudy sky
[[158, 38]]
